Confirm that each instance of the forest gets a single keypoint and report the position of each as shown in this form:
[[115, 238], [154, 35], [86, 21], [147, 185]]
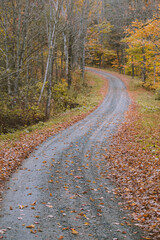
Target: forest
[[46, 44]]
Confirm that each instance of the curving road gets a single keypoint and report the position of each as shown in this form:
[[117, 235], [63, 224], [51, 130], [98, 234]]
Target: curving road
[[62, 188]]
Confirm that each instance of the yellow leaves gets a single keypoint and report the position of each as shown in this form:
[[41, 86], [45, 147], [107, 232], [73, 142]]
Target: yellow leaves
[[143, 36], [86, 223], [74, 232]]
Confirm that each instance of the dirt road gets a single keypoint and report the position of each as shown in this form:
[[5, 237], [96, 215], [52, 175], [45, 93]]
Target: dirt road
[[62, 191]]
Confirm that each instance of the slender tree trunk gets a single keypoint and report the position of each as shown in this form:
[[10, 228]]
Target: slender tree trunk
[[42, 65], [154, 73], [6, 49], [56, 65], [118, 58], [49, 91], [70, 60], [52, 40], [65, 53], [62, 59], [144, 66], [83, 59], [132, 68]]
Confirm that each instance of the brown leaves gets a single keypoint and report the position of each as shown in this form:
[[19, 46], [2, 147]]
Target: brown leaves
[[12, 153], [30, 226], [135, 171]]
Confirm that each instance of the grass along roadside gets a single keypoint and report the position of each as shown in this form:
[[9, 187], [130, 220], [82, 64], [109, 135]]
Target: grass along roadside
[[134, 158], [148, 108], [17, 146]]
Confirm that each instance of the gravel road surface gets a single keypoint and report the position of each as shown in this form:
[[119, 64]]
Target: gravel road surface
[[61, 191]]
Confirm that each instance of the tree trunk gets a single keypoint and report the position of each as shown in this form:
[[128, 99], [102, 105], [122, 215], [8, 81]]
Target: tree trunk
[[65, 53], [70, 60], [144, 66], [52, 41], [49, 91], [62, 59], [154, 73], [132, 68]]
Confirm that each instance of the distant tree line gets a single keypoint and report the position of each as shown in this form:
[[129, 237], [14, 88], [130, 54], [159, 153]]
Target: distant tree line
[[130, 42]]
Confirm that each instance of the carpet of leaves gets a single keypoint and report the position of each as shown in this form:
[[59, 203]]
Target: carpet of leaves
[[136, 172], [12, 153]]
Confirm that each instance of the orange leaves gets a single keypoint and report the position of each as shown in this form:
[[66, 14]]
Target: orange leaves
[[60, 238], [30, 226], [134, 169], [74, 232], [50, 181]]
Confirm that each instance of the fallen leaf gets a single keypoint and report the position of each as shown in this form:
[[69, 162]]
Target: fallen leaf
[[61, 237], [50, 181], [21, 206], [30, 226], [78, 177], [34, 232], [64, 229], [49, 206], [86, 223], [33, 204], [74, 231], [92, 199]]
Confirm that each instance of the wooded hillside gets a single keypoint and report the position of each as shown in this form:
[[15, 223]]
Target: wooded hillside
[[45, 44]]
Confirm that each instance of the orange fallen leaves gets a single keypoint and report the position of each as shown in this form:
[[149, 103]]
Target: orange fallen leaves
[[74, 232], [30, 226], [135, 170], [60, 238], [12, 153]]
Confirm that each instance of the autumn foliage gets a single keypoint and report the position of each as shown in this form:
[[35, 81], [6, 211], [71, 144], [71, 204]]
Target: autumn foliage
[[143, 51], [134, 166]]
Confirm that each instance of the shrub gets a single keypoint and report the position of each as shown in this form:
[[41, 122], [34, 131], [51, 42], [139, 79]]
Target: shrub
[[11, 119], [63, 99], [158, 94]]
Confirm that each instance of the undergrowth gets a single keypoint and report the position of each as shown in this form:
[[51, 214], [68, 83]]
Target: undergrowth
[[16, 146], [149, 123]]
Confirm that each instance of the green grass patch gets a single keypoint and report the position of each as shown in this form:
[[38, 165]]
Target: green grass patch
[[149, 123]]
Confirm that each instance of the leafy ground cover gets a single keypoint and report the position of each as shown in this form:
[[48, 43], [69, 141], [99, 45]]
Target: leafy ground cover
[[134, 158], [17, 146]]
